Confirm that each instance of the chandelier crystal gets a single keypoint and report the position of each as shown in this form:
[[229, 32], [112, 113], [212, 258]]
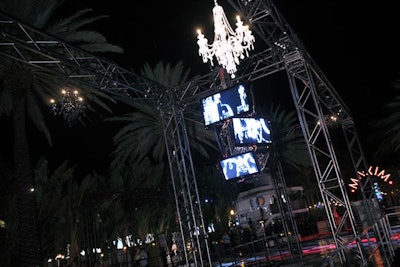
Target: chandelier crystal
[[70, 105], [229, 46]]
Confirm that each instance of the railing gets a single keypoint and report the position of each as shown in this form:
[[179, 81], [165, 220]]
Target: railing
[[273, 250], [379, 254]]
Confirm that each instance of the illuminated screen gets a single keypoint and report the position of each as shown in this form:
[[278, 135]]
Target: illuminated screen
[[239, 166], [225, 104], [248, 131]]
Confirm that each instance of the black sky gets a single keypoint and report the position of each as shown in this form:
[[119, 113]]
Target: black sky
[[356, 45]]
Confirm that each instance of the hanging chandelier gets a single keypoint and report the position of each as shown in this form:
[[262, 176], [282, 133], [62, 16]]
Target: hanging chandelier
[[229, 46], [70, 105]]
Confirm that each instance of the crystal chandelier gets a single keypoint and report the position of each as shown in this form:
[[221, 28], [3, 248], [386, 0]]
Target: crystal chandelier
[[70, 105], [229, 46]]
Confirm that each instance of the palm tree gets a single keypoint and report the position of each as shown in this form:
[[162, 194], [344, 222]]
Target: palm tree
[[165, 74], [143, 135], [22, 90], [61, 199], [289, 147], [386, 129]]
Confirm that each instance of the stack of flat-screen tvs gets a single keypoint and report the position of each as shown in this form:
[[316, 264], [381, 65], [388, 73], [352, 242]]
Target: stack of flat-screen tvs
[[232, 104]]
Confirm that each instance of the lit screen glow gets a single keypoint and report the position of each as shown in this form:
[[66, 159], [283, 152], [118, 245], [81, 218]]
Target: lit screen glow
[[239, 166], [249, 131], [225, 104]]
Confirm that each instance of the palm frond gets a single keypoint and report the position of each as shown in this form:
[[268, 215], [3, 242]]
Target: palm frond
[[386, 128], [288, 147], [36, 13], [73, 22]]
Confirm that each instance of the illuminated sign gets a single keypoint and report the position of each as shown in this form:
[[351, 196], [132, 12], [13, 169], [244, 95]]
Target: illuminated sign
[[372, 171]]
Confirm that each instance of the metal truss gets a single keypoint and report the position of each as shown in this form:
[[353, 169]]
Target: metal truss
[[194, 233], [315, 101], [25, 44], [286, 210], [313, 95]]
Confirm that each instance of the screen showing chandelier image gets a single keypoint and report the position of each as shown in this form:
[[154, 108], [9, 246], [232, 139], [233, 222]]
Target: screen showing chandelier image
[[225, 104], [249, 131], [239, 166]]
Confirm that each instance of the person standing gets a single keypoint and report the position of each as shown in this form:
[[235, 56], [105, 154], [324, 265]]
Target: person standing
[[226, 239], [142, 257]]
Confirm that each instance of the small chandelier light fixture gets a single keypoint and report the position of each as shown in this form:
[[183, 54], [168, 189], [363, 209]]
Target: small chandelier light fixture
[[229, 46], [70, 105]]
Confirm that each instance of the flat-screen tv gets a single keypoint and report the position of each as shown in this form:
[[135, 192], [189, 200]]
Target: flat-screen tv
[[225, 104], [250, 131], [240, 165]]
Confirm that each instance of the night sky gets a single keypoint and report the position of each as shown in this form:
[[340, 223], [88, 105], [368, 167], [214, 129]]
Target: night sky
[[356, 45]]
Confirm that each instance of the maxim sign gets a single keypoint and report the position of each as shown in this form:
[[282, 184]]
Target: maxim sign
[[372, 171]]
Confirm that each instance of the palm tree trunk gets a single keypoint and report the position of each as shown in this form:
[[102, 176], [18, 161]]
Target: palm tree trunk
[[28, 235]]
